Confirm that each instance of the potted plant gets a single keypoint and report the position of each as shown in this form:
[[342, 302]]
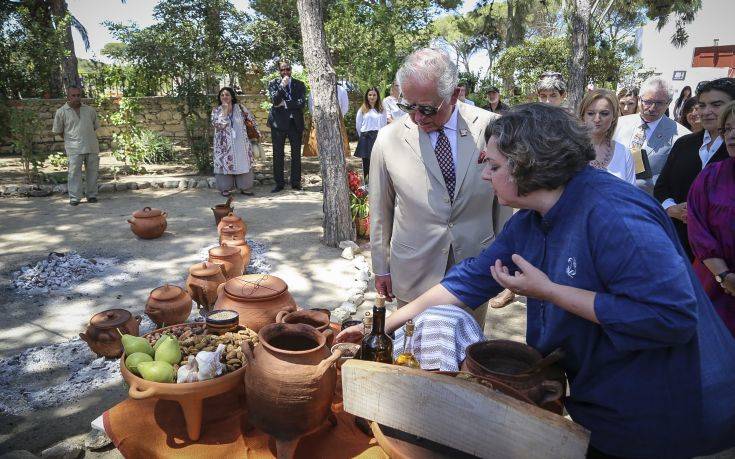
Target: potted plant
[[359, 207]]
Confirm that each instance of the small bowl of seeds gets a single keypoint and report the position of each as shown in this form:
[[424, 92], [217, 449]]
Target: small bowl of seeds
[[221, 321]]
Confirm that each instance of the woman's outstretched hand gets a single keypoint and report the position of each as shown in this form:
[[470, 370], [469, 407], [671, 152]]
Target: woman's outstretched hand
[[529, 281], [351, 334]]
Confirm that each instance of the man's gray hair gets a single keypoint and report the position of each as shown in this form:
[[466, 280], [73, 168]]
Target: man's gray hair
[[430, 65], [551, 83], [656, 83]]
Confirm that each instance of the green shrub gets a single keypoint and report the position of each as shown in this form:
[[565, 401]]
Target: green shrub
[[57, 161], [154, 148]]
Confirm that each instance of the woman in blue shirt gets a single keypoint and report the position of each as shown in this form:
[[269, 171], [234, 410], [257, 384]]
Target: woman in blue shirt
[[651, 367]]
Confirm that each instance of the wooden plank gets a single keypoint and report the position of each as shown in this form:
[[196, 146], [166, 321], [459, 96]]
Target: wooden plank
[[458, 413]]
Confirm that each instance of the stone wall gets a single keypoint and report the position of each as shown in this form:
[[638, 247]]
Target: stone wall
[[160, 114]]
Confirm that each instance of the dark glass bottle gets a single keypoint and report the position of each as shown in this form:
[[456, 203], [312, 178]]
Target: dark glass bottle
[[377, 346]]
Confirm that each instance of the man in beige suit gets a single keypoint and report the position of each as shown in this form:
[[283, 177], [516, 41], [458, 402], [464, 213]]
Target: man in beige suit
[[429, 207]]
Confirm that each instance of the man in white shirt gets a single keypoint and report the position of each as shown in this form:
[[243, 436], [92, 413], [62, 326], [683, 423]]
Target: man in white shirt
[[463, 93]]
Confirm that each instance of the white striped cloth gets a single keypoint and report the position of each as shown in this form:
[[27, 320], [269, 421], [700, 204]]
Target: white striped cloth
[[440, 338]]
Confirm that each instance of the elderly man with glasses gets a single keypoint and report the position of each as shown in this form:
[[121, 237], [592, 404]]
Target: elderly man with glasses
[[429, 207], [649, 134]]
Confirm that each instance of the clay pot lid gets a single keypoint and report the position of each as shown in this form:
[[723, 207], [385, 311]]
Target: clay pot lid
[[223, 251], [255, 286], [206, 268], [230, 228], [231, 218], [166, 292], [147, 212], [112, 318]]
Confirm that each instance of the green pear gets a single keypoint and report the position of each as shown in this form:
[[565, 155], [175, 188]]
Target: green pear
[[169, 351], [157, 371], [165, 337], [133, 344], [134, 359]]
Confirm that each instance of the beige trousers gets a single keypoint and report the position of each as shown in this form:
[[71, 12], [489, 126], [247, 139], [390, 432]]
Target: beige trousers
[[91, 163]]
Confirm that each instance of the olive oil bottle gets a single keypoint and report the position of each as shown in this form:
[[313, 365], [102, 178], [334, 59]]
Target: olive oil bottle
[[407, 357], [377, 346]]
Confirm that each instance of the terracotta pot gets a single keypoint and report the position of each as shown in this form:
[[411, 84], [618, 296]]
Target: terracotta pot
[[202, 283], [188, 395], [234, 225], [102, 334], [258, 298], [240, 244], [229, 257], [362, 226], [290, 383], [222, 210], [313, 318], [504, 360], [221, 325], [148, 223], [168, 305]]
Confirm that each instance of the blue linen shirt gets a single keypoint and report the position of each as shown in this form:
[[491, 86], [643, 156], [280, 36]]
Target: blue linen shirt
[[656, 377]]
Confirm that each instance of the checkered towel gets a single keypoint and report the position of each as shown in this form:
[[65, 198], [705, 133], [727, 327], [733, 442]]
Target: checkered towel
[[440, 338]]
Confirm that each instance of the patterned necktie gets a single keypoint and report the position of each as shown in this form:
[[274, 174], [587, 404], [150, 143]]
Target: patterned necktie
[[639, 136], [444, 155]]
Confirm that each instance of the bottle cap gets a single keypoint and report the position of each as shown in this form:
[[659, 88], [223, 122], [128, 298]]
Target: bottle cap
[[409, 327], [380, 301]]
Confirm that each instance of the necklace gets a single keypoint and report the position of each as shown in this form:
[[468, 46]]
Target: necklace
[[604, 154]]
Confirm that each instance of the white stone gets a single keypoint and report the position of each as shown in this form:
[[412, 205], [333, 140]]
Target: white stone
[[183, 184], [356, 298], [202, 184], [347, 253], [339, 315], [362, 276], [210, 182], [106, 187], [345, 244], [144, 185], [349, 307], [171, 184], [63, 450]]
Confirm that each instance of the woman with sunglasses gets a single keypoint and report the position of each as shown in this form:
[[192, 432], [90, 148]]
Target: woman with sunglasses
[[370, 118]]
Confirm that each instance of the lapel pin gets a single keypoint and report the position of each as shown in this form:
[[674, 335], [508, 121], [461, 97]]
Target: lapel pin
[[463, 132]]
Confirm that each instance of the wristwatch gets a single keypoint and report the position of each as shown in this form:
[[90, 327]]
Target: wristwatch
[[720, 278]]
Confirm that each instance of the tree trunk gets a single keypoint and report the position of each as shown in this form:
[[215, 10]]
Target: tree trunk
[[69, 64], [323, 80], [579, 21]]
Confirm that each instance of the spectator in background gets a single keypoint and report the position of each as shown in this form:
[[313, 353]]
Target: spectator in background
[[599, 111], [628, 101], [494, 104], [649, 134], [311, 148], [77, 123], [689, 117], [463, 93], [391, 103], [370, 118], [711, 212], [691, 153], [685, 94], [551, 88]]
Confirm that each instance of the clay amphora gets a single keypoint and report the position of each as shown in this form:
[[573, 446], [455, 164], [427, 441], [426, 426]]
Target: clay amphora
[[222, 210], [240, 244], [229, 257], [289, 382], [102, 334], [258, 298], [234, 225], [313, 317], [168, 305], [202, 283], [148, 223]]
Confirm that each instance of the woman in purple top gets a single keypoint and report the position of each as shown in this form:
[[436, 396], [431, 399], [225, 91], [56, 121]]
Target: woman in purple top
[[711, 225]]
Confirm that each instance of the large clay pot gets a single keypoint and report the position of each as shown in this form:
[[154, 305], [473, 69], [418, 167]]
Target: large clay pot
[[290, 382], [222, 210], [188, 395], [102, 334], [229, 257], [240, 244], [258, 298], [168, 305], [234, 225], [314, 318], [505, 360], [202, 283], [148, 223]]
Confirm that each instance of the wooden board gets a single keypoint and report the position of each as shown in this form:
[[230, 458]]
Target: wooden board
[[457, 413]]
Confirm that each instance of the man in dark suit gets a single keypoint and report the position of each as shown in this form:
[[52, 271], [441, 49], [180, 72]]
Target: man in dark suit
[[286, 119], [691, 153]]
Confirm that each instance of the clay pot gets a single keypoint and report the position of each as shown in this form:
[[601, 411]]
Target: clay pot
[[188, 395], [148, 223], [222, 210], [504, 361], [258, 298], [362, 227], [240, 244], [233, 225], [168, 305], [221, 325], [202, 283], [312, 317], [290, 383], [102, 334], [229, 257]]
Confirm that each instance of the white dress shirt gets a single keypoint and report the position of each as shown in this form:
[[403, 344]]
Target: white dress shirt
[[621, 164], [450, 130], [391, 107], [370, 121], [468, 102]]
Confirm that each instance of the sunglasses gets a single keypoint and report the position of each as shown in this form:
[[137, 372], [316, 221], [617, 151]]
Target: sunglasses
[[426, 110]]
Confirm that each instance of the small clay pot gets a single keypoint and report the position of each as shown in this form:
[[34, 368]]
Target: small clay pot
[[258, 298], [102, 334], [220, 326], [168, 305], [312, 317], [148, 223], [229, 257], [222, 210], [234, 225], [362, 227], [290, 382], [240, 244], [202, 283]]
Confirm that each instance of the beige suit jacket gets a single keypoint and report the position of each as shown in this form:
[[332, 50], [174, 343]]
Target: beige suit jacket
[[413, 225]]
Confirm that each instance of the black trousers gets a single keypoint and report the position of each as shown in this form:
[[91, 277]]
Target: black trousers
[[278, 137]]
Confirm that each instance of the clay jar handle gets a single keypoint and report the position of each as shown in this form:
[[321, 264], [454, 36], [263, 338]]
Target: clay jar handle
[[552, 391], [249, 356], [136, 394], [164, 214], [131, 221], [228, 203], [146, 208], [84, 337], [281, 315], [138, 319], [328, 333], [325, 364]]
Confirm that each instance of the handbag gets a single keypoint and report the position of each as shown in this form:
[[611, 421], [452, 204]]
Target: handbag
[[253, 133]]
